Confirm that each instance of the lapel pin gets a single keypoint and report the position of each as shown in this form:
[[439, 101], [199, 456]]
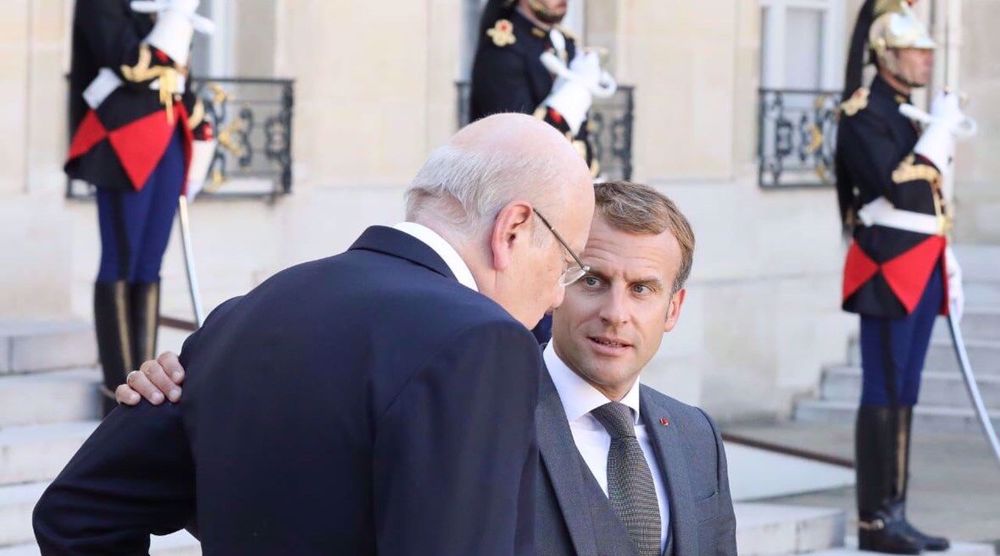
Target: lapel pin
[[664, 421]]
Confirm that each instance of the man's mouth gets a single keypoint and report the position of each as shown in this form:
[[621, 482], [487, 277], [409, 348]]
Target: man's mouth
[[609, 343]]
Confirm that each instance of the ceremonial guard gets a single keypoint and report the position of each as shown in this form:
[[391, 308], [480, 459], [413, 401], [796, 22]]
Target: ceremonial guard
[[900, 273], [527, 62], [134, 122]]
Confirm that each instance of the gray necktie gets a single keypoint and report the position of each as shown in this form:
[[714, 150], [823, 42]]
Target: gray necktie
[[630, 483]]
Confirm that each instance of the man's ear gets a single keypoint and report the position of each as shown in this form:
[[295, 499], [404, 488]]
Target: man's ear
[[512, 225], [674, 310]]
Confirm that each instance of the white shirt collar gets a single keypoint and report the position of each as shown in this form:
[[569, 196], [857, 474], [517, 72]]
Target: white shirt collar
[[578, 397], [443, 249]]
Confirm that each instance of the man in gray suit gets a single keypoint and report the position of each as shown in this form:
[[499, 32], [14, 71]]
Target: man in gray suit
[[602, 435], [624, 469]]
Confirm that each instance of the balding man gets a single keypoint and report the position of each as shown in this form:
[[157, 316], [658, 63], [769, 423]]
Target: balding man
[[385, 397]]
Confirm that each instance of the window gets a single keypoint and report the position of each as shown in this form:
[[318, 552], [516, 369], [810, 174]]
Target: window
[[802, 52], [212, 55], [802, 44]]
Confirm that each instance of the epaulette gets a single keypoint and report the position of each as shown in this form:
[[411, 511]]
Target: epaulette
[[855, 104], [502, 33]]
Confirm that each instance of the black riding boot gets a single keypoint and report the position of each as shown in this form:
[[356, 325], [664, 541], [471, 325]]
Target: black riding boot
[[114, 342], [882, 524], [904, 423], [145, 318]]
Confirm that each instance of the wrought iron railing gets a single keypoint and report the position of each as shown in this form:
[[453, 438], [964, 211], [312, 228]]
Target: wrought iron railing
[[609, 127], [252, 119], [797, 132]]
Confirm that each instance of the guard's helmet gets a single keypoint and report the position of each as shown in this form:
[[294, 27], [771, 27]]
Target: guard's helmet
[[882, 27], [896, 26]]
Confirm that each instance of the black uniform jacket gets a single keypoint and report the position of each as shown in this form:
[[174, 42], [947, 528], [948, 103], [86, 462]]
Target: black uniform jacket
[[119, 144], [887, 269], [508, 75]]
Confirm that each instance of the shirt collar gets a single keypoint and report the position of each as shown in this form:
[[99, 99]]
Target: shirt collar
[[444, 250], [578, 397]]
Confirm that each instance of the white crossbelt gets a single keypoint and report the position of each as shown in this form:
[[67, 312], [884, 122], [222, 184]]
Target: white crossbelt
[[880, 212]]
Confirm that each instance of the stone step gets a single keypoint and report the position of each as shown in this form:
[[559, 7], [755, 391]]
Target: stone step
[[36, 345], [39, 452], [772, 529], [925, 417], [850, 548], [983, 354], [16, 505], [979, 294], [978, 323], [180, 543], [979, 262], [52, 397], [938, 388]]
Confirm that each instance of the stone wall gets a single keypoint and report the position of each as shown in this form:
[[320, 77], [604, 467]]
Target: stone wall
[[374, 93]]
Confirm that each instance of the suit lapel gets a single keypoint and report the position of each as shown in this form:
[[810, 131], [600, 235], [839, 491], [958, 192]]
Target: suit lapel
[[563, 463], [667, 443]]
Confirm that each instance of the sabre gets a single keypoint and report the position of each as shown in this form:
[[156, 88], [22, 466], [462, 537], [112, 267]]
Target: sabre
[[964, 129], [970, 384], [192, 277]]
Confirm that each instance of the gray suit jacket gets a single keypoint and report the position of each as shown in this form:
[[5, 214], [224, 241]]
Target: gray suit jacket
[[573, 515]]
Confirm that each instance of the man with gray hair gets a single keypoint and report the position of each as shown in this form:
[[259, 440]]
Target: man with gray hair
[[381, 400]]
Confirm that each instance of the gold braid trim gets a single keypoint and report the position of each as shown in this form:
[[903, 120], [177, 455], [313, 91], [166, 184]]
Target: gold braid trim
[[908, 171], [166, 75]]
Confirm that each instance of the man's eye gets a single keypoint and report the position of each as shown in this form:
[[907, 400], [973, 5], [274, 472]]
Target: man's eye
[[591, 281], [642, 289]]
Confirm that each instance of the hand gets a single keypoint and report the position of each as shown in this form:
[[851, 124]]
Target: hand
[[572, 92], [956, 295], [946, 110], [586, 67], [155, 379], [947, 124]]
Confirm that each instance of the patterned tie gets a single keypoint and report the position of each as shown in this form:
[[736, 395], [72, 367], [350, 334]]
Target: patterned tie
[[630, 484]]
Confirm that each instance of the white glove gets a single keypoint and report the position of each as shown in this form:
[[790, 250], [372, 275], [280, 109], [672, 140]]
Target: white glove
[[937, 142], [956, 296], [186, 7], [571, 95], [175, 25]]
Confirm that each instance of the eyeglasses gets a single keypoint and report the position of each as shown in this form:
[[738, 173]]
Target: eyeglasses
[[574, 272]]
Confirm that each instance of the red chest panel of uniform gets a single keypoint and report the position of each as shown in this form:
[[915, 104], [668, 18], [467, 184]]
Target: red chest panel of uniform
[[906, 274]]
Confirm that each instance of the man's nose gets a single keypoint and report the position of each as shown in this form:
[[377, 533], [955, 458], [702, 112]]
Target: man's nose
[[614, 308]]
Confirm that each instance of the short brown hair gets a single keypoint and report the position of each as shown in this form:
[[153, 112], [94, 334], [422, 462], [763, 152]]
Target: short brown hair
[[640, 209]]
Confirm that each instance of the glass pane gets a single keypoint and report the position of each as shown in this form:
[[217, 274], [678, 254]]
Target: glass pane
[[803, 48], [766, 71]]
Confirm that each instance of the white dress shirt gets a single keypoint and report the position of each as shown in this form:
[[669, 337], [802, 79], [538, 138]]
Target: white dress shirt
[[592, 440], [444, 250]]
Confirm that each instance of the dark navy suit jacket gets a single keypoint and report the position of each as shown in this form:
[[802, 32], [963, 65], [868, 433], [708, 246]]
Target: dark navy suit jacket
[[357, 404]]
